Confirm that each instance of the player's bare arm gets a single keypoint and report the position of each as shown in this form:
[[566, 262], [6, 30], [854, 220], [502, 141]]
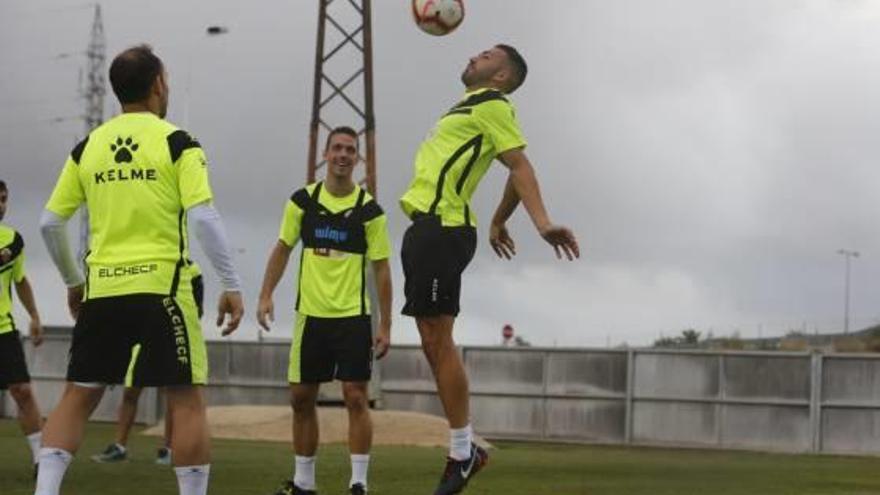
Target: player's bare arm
[[275, 267], [522, 176], [499, 238], [382, 273], [26, 296], [74, 300]]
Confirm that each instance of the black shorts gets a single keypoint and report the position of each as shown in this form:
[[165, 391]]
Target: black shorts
[[434, 258], [324, 349], [141, 340], [13, 368]]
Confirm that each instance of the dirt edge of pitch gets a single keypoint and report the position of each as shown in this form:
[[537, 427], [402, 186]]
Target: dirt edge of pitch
[[273, 424]]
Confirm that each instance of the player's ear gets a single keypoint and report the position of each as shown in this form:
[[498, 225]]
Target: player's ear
[[160, 86], [502, 78]]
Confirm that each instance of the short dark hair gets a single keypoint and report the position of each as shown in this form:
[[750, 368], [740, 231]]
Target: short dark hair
[[343, 129], [518, 63], [133, 73], [3, 186]]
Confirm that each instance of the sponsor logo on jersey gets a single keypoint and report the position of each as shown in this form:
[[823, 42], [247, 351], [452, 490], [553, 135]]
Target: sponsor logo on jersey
[[126, 175], [329, 252], [179, 326], [331, 234], [123, 154], [127, 271]]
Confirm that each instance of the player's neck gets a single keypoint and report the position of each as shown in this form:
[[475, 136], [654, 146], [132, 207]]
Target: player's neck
[[148, 106], [339, 186], [479, 86], [139, 107]]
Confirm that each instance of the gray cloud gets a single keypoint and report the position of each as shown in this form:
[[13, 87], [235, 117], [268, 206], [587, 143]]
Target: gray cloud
[[711, 156]]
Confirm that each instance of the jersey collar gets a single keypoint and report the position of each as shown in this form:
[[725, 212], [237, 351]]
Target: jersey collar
[[478, 91]]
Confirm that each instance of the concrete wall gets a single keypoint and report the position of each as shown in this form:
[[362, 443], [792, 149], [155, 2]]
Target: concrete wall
[[792, 402]]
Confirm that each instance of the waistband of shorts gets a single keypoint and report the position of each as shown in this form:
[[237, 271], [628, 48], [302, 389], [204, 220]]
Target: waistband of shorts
[[417, 216]]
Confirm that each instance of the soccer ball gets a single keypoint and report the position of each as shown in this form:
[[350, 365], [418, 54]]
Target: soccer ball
[[438, 17]]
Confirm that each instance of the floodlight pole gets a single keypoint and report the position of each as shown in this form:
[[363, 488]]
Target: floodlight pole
[[363, 117], [848, 255]]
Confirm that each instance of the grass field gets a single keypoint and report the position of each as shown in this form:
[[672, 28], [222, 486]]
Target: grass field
[[241, 467]]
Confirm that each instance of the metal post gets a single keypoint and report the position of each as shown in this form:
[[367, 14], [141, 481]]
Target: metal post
[[630, 388], [816, 365], [369, 117], [846, 300], [847, 254], [545, 389], [720, 405], [312, 164]]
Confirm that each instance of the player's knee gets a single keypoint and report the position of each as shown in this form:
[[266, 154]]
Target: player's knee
[[430, 349], [187, 400], [430, 339], [435, 343], [21, 392], [302, 403], [355, 396]]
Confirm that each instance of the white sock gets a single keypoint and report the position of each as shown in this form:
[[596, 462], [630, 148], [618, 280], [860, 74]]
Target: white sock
[[120, 447], [359, 465], [460, 443], [53, 465], [193, 480], [34, 440], [304, 473]]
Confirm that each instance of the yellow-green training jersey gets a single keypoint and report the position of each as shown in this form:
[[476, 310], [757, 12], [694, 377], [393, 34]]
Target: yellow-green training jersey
[[11, 271], [339, 235], [137, 174], [456, 155]]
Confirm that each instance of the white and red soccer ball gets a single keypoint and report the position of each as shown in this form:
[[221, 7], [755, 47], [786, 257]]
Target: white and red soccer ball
[[438, 17]]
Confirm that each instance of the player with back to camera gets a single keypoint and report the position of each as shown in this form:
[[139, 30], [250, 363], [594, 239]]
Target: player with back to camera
[[144, 181]]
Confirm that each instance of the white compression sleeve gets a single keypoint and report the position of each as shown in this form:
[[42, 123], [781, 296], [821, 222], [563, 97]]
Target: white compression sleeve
[[54, 230], [209, 230]]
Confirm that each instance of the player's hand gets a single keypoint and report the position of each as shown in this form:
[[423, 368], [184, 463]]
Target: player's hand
[[563, 241], [74, 299], [265, 312], [36, 332], [382, 342], [230, 303], [501, 241]]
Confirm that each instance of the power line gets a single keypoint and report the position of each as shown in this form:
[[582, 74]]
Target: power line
[[51, 10], [55, 100]]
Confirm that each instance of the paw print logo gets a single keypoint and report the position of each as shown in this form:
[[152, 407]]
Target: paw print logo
[[123, 149]]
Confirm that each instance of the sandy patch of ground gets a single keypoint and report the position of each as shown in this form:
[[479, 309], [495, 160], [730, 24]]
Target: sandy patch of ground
[[273, 424]]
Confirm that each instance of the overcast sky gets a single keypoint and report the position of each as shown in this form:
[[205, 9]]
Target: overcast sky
[[712, 157]]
